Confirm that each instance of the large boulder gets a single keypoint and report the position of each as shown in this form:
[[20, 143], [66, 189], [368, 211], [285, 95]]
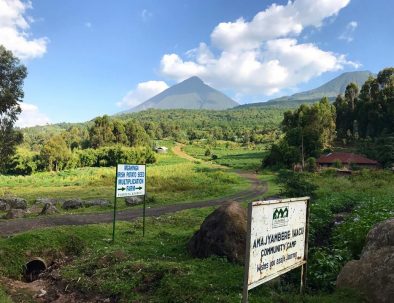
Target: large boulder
[[13, 203], [96, 202], [72, 204], [373, 274], [223, 233]]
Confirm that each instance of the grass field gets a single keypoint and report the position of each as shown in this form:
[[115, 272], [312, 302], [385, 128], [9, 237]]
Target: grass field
[[156, 268], [170, 180], [231, 155]]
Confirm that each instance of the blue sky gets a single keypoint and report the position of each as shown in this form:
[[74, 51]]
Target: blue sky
[[88, 58]]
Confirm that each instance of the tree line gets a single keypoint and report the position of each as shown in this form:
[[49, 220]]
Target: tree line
[[363, 119]]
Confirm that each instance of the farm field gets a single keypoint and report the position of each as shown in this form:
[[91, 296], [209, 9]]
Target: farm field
[[170, 180], [232, 155]]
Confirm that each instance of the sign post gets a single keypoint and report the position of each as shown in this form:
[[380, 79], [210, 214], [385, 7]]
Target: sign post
[[130, 181], [277, 241]]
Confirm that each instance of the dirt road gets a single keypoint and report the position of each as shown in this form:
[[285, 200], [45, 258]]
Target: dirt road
[[20, 225]]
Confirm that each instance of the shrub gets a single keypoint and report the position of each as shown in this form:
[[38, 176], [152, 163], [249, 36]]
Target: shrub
[[296, 184], [311, 164]]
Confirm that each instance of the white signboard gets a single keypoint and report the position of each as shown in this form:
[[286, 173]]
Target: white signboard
[[130, 180], [276, 240]]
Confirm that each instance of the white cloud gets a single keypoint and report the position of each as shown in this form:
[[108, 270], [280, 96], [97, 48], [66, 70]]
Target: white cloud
[[263, 55], [88, 24], [31, 116], [141, 93], [347, 34], [14, 30]]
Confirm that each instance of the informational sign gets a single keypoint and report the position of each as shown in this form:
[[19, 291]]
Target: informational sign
[[276, 240], [130, 180]]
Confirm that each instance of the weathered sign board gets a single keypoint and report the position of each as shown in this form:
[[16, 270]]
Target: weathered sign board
[[130, 180], [277, 240]]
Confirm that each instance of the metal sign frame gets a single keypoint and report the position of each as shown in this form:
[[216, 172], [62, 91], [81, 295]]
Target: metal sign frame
[[302, 263], [116, 196]]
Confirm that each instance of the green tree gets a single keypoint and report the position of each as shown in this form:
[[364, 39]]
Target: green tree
[[12, 75], [101, 133], [136, 135], [55, 154]]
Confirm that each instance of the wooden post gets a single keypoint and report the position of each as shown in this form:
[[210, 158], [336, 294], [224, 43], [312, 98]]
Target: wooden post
[[304, 266], [113, 224], [245, 293]]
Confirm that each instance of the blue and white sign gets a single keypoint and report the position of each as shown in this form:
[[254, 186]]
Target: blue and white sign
[[130, 180]]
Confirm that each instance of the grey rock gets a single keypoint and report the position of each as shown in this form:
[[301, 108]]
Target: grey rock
[[48, 209], [222, 233], [131, 201], [373, 274], [72, 204], [14, 202], [44, 201], [15, 213], [4, 206], [96, 202]]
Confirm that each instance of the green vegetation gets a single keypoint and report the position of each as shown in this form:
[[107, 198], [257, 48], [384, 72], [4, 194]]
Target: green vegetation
[[308, 131], [156, 268], [229, 154], [3, 297], [12, 75], [365, 118], [170, 180]]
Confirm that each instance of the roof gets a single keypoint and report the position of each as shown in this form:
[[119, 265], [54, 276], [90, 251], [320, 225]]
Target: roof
[[346, 158]]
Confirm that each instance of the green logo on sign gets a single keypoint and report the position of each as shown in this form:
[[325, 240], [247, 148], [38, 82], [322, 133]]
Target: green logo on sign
[[280, 216], [281, 213]]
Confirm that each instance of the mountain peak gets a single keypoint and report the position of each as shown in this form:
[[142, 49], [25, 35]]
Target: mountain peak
[[191, 93], [193, 79]]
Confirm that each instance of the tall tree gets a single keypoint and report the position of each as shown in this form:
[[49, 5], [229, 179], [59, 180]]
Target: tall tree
[[12, 75]]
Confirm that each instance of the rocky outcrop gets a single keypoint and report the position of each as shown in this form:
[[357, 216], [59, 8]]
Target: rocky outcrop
[[373, 274], [223, 233]]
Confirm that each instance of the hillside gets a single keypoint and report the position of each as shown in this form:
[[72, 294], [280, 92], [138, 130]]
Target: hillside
[[330, 89], [192, 93]]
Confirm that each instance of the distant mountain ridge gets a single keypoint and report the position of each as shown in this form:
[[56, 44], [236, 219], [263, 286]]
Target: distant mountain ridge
[[191, 93], [331, 89]]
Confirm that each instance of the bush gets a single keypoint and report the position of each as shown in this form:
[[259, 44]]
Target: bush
[[207, 152], [296, 184], [311, 165]]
